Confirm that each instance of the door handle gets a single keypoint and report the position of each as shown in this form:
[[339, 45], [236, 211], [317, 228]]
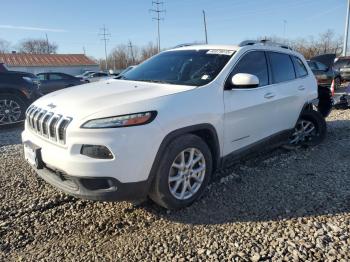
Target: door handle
[[301, 88], [269, 95]]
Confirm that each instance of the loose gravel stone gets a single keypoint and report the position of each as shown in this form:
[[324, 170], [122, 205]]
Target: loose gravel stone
[[281, 205]]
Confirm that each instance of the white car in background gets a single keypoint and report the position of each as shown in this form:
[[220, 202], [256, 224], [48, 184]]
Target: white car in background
[[166, 126]]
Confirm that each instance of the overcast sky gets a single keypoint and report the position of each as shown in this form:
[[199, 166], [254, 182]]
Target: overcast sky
[[75, 25]]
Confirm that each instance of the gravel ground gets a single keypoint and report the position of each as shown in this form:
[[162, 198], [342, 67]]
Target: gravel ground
[[284, 205]]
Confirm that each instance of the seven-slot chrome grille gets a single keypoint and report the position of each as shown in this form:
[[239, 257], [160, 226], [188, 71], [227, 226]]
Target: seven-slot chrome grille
[[47, 124]]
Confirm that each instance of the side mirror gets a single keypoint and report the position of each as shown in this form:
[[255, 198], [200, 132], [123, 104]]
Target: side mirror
[[242, 80]]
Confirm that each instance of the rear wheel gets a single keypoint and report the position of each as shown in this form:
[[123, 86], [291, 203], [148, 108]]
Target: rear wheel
[[12, 109], [183, 173], [310, 129]]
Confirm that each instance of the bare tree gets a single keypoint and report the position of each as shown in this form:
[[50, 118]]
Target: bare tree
[[148, 51], [4, 46], [326, 42], [37, 46], [125, 55]]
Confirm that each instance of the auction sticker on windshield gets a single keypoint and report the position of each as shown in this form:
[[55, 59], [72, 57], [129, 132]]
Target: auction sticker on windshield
[[220, 52]]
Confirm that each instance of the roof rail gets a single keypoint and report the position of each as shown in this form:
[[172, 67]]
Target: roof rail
[[263, 42], [188, 44]]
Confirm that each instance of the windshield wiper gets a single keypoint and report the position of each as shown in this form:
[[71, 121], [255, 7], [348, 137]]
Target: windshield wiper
[[151, 81]]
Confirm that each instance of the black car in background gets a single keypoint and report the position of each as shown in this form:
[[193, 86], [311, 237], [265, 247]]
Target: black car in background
[[52, 81], [342, 65], [17, 91], [323, 68]]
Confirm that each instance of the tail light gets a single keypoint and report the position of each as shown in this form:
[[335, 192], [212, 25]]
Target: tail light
[[332, 88]]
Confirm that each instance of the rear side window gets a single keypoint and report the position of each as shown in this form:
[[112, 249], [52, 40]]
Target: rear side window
[[321, 66], [253, 63], [282, 67], [300, 68], [55, 77]]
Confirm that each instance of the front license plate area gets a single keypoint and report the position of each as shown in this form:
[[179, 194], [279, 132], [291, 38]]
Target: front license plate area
[[32, 153]]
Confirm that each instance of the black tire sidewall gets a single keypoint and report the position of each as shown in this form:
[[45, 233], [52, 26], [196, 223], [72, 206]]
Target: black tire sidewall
[[160, 191], [20, 102]]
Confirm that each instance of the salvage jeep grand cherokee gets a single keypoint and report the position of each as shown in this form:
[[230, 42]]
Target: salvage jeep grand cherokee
[[164, 127]]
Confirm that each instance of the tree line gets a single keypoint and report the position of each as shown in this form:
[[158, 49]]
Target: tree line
[[124, 55]]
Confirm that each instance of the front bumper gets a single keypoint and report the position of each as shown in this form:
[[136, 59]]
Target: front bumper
[[126, 176], [94, 188]]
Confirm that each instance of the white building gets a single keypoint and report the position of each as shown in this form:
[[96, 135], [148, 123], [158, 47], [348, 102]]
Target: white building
[[72, 64]]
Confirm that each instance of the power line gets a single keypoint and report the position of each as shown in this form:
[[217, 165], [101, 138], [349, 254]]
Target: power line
[[105, 37], [158, 10]]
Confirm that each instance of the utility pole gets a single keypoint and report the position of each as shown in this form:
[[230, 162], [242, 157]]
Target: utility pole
[[84, 50], [47, 44], [105, 37], [158, 11], [284, 29], [130, 46], [346, 30], [205, 27]]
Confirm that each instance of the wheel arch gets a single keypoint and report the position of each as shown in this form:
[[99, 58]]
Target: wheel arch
[[12, 91], [207, 132]]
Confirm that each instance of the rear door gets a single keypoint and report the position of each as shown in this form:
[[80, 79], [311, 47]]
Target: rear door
[[44, 83], [249, 112], [57, 81], [290, 89]]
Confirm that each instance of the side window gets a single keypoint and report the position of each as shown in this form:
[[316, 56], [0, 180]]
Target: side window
[[321, 66], [55, 77], [41, 77], [253, 63], [282, 67], [312, 65], [300, 68]]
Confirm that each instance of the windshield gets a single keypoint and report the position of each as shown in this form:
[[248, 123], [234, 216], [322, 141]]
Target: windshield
[[186, 67]]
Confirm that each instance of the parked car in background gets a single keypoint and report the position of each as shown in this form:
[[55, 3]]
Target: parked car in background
[[85, 74], [97, 76], [322, 67], [52, 81], [3, 68], [165, 127], [328, 80], [126, 70], [17, 91], [342, 65]]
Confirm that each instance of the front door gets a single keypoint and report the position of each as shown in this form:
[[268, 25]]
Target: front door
[[249, 112]]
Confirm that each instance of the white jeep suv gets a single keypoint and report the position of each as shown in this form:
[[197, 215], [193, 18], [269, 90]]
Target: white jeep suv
[[164, 127]]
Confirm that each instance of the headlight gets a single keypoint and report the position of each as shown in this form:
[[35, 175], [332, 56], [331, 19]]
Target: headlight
[[121, 121], [27, 79]]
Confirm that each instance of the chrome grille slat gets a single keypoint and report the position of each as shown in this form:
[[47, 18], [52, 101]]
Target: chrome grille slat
[[47, 124]]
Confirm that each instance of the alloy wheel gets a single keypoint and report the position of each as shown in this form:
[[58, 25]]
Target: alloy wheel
[[304, 131], [10, 111], [187, 173]]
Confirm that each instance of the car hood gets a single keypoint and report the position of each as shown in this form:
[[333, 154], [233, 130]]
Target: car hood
[[326, 59], [87, 99]]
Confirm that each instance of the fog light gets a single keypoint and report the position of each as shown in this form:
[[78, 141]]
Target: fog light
[[94, 151]]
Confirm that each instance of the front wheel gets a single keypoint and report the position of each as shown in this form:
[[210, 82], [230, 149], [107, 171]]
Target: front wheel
[[310, 129], [12, 109], [183, 173]]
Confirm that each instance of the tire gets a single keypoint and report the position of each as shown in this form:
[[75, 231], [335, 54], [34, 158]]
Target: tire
[[311, 129], [170, 168], [12, 109]]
